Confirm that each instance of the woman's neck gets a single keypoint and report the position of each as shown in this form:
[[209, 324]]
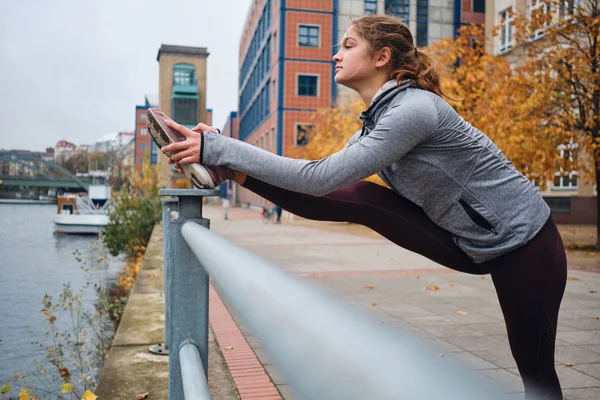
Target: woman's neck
[[368, 90]]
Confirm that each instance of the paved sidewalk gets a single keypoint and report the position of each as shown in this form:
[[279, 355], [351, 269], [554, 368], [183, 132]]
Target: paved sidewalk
[[462, 317]]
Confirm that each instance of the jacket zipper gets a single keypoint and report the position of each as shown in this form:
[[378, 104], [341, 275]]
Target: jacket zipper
[[476, 217]]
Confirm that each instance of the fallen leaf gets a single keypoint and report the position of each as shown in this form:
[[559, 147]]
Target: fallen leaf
[[372, 304], [63, 372], [461, 312], [6, 388], [88, 395], [454, 285], [67, 388], [572, 278], [403, 273], [142, 396], [17, 375], [228, 348], [598, 317], [433, 288], [570, 364], [418, 277], [152, 275], [592, 291], [23, 395], [368, 287]]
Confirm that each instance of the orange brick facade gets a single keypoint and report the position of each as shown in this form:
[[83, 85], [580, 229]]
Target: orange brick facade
[[301, 37], [143, 141], [276, 131]]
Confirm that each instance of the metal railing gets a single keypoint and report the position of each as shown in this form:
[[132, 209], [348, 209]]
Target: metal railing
[[324, 348]]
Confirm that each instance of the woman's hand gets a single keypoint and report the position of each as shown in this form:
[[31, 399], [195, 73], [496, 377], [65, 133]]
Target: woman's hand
[[188, 150]]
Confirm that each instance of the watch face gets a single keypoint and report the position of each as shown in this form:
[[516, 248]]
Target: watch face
[[161, 133]]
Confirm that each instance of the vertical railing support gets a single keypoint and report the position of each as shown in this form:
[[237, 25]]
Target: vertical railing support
[[168, 205], [186, 286]]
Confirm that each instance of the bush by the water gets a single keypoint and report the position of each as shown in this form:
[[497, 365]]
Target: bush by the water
[[136, 209]]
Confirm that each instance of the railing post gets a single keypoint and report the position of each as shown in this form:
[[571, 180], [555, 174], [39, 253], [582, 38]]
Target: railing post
[[186, 286], [168, 205]]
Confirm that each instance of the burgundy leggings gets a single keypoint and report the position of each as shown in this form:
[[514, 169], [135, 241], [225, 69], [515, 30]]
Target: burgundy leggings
[[530, 280]]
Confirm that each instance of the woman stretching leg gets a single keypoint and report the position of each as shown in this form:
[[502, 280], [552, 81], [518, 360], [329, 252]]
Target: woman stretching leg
[[456, 198], [529, 281]]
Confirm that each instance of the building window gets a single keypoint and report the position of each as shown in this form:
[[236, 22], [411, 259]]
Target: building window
[[537, 9], [478, 6], [565, 181], [308, 85], [144, 131], [422, 23], [183, 74], [302, 131], [273, 137], [143, 117], [399, 8], [153, 153], [143, 146], [185, 110], [559, 204], [274, 42], [567, 8], [370, 6], [308, 36], [506, 19]]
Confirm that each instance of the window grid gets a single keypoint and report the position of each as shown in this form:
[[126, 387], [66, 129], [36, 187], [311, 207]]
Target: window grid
[[302, 131], [370, 6], [399, 8], [185, 110], [308, 85], [506, 39], [308, 36], [478, 6]]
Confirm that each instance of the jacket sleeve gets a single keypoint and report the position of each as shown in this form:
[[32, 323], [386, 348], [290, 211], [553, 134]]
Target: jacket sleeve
[[401, 128]]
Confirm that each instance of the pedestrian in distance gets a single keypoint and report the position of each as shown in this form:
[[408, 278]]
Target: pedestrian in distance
[[453, 196]]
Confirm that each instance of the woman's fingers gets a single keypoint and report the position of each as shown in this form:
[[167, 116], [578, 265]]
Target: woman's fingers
[[175, 147], [188, 160], [203, 127], [191, 152]]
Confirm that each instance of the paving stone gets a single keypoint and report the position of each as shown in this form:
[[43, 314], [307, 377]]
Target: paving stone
[[345, 263], [571, 378]]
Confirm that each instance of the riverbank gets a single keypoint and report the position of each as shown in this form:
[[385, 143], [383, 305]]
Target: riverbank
[[130, 369]]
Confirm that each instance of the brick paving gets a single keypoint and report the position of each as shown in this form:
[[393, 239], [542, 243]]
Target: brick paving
[[462, 319]]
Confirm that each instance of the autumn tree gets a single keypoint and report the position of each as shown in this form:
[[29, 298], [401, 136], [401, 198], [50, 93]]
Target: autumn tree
[[501, 101], [559, 43], [330, 129]]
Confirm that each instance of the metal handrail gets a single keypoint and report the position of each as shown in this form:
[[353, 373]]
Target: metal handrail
[[323, 348]]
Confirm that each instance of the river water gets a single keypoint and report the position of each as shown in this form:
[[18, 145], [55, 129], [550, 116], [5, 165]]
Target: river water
[[33, 262]]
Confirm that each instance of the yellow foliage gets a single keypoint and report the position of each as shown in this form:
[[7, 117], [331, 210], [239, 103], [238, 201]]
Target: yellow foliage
[[88, 395], [331, 129]]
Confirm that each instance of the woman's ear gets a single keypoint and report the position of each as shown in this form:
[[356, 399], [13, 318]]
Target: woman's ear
[[383, 57]]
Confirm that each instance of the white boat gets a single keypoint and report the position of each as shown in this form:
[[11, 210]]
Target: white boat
[[83, 212]]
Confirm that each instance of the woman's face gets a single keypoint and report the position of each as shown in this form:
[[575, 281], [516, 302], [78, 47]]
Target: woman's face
[[353, 64]]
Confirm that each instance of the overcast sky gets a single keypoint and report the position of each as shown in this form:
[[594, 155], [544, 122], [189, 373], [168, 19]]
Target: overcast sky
[[76, 69]]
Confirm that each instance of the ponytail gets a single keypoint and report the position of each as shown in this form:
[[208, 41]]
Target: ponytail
[[407, 61]]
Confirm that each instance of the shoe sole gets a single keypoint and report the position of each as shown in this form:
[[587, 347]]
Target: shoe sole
[[163, 136]]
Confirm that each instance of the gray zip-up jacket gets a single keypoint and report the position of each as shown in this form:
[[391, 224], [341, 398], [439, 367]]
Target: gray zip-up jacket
[[427, 153]]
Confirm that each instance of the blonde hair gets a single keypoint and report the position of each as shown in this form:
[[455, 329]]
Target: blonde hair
[[407, 62]]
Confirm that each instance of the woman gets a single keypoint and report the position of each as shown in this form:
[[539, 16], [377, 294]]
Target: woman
[[455, 200]]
